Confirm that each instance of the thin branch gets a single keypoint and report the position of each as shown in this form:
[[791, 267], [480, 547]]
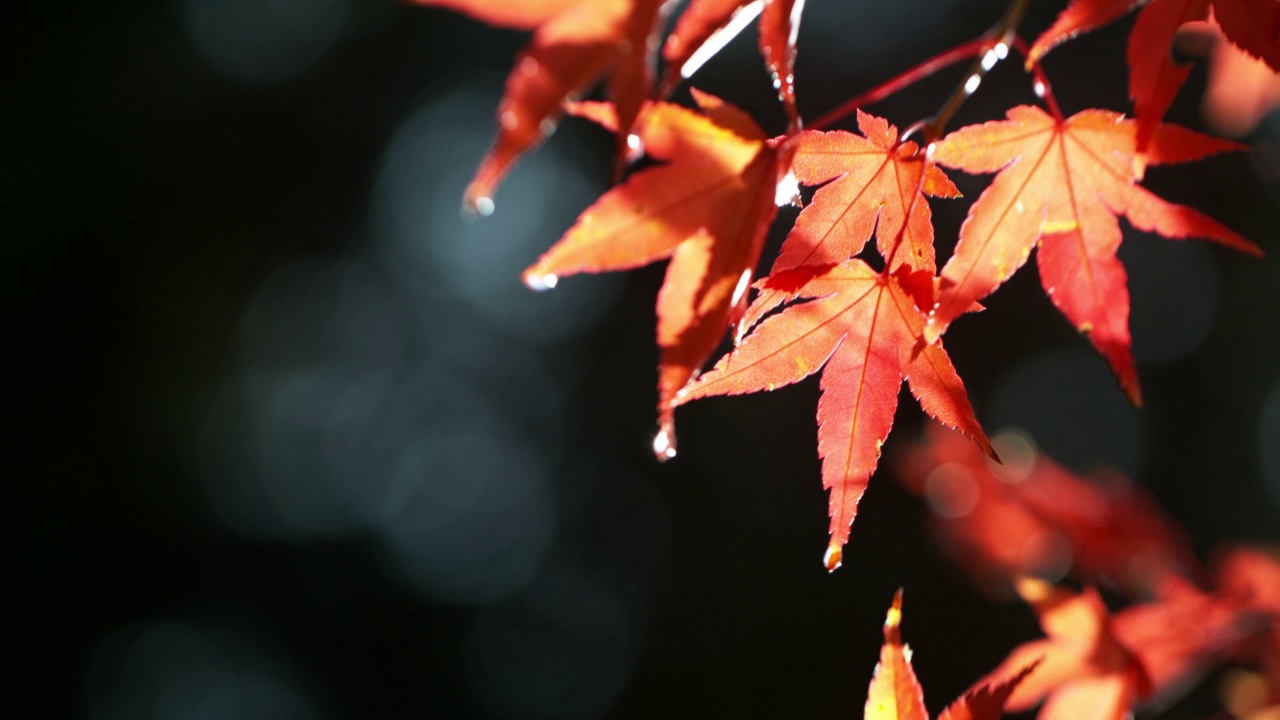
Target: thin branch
[[1042, 88], [997, 42], [963, 51]]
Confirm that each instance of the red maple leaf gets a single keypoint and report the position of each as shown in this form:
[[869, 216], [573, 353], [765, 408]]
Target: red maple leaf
[[865, 328], [1154, 78], [708, 210], [1250, 579], [1061, 185], [1085, 671], [895, 692], [877, 182], [1030, 515], [1183, 634], [708, 24], [575, 42]]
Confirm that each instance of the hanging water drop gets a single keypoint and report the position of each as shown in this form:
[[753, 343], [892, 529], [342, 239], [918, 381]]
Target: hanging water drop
[[482, 205], [540, 283], [635, 147], [664, 444], [833, 557]]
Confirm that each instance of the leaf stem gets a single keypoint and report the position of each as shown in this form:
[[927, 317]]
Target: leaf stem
[[1042, 88], [963, 51], [987, 49], [996, 43]]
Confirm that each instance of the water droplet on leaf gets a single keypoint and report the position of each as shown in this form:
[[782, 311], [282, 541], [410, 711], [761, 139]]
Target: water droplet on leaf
[[540, 283], [833, 557], [664, 444]]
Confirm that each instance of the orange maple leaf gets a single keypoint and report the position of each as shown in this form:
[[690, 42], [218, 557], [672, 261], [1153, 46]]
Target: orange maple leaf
[[575, 42], [1086, 672], [708, 210], [1061, 185], [876, 183], [709, 24], [1154, 78], [895, 692], [865, 328], [1250, 579], [1182, 635]]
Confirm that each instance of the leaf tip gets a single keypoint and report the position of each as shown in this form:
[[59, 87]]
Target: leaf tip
[[1134, 394], [833, 557], [893, 619], [664, 443], [540, 282], [477, 202]]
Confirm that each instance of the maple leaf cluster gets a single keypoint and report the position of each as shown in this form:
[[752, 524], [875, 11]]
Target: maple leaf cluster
[[1030, 516], [867, 319]]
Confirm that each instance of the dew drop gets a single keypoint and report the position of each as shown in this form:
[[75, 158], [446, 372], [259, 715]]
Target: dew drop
[[1039, 89], [990, 59], [483, 205], [509, 120], [833, 557], [1001, 50], [971, 85], [664, 444], [635, 147], [540, 283]]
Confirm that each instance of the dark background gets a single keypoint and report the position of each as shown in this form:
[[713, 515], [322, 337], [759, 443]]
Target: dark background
[[292, 441]]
